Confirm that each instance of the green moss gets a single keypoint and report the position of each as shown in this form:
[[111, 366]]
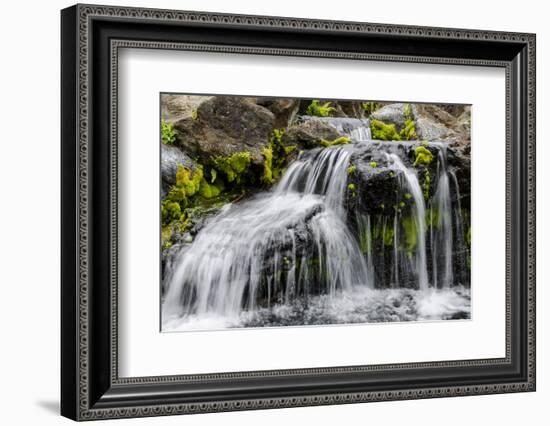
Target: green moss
[[407, 196], [373, 164], [370, 107], [208, 191], [407, 111], [401, 204], [189, 181], [382, 131], [422, 156], [275, 157], [409, 131], [317, 109], [351, 188], [170, 211], [410, 234], [351, 170], [233, 166], [194, 114], [432, 218], [388, 235], [167, 133], [342, 140], [469, 236], [268, 165], [426, 185]]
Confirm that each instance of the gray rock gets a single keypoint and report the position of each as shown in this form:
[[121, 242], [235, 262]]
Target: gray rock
[[225, 125], [309, 134], [428, 129], [391, 114], [170, 158]]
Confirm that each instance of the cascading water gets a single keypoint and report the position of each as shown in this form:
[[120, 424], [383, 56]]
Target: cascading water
[[443, 240], [290, 241], [289, 256], [419, 214]]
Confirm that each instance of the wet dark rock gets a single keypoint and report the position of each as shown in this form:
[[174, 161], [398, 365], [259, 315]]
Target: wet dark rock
[[225, 125]]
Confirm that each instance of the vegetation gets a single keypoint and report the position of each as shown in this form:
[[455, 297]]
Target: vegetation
[[317, 109], [383, 131], [422, 156], [233, 166], [167, 133], [370, 107], [342, 140]]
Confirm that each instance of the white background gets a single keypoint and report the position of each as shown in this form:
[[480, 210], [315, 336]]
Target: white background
[[146, 352], [29, 223]]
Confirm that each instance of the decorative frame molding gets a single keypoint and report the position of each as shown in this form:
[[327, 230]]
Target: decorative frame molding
[[91, 388]]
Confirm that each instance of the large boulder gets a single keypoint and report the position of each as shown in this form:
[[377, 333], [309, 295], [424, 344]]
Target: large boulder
[[284, 109], [177, 107], [309, 134], [225, 125]]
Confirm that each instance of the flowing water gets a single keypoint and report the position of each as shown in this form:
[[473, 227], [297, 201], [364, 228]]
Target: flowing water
[[288, 256]]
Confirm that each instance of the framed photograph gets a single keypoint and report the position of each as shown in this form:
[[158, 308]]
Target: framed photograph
[[263, 212]]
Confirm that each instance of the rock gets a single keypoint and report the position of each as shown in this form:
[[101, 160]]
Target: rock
[[309, 134], [392, 114], [462, 127], [351, 108], [459, 160], [225, 125], [284, 109], [171, 157], [427, 129], [177, 107]]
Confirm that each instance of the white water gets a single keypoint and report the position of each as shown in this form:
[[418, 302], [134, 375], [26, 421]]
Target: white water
[[250, 251], [419, 215], [287, 257]]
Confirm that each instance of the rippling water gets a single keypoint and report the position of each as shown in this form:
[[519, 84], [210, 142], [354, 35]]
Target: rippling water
[[357, 306]]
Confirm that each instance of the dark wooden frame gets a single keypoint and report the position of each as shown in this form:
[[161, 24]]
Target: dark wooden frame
[[91, 37]]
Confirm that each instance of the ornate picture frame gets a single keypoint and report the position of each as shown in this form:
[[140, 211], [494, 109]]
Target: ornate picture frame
[[91, 37]]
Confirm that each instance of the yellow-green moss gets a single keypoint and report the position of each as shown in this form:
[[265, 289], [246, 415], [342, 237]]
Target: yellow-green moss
[[268, 165], [426, 185], [208, 191], [317, 109], [469, 236], [409, 131], [351, 170], [374, 164], [167, 133], [384, 132], [194, 114], [188, 179], [422, 156], [410, 234], [342, 140], [170, 211], [233, 166], [407, 196]]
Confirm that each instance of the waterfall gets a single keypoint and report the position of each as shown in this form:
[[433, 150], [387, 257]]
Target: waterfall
[[290, 241], [419, 214], [358, 129], [443, 239]]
